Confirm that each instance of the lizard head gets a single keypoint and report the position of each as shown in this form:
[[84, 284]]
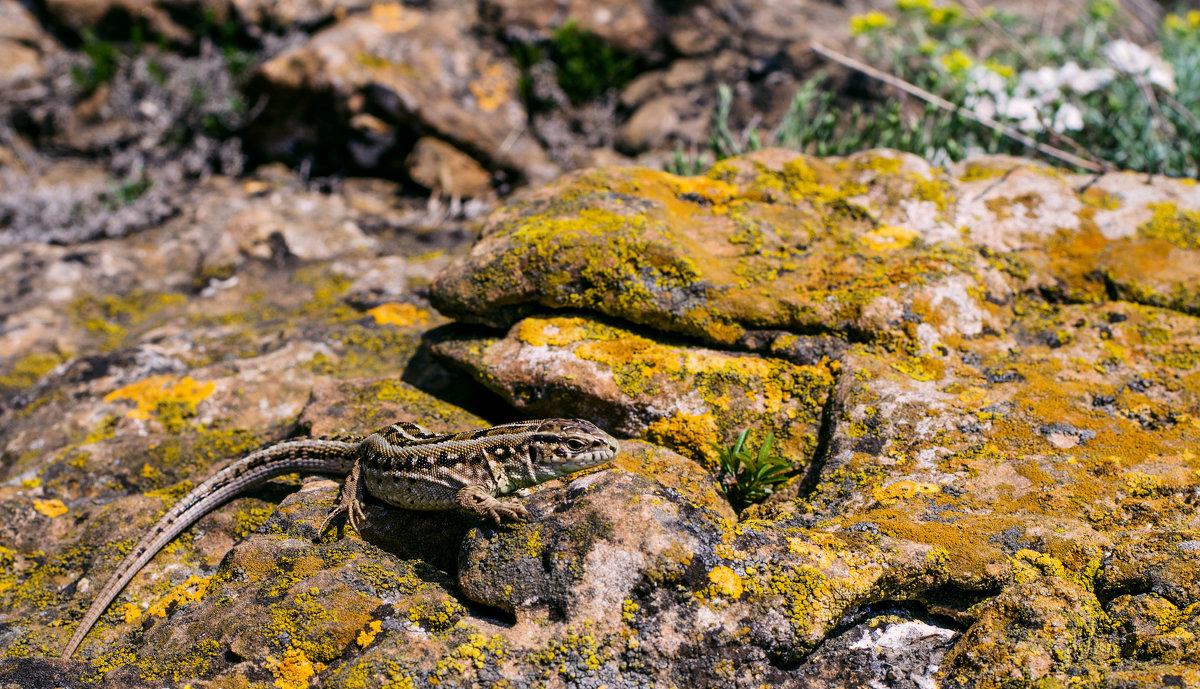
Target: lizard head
[[563, 446]]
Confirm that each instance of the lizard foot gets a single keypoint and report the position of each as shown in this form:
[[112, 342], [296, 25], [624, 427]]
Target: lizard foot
[[350, 503], [477, 500]]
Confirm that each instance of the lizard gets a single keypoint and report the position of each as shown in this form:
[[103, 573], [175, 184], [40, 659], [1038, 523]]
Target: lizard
[[403, 464]]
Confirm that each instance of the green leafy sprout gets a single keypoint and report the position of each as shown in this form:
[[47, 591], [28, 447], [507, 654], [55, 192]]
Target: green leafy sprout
[[749, 477]]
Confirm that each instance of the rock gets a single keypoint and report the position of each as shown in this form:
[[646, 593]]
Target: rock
[[447, 171], [726, 256], [1036, 631], [633, 26], [652, 124], [893, 649], [690, 399], [24, 45], [79, 16], [263, 15], [762, 243], [417, 71]]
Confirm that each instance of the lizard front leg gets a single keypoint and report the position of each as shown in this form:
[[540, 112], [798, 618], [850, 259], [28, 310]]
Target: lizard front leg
[[477, 499], [350, 501]]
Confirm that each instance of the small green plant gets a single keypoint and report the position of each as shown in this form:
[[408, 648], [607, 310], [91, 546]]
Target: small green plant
[[103, 61], [586, 66], [747, 477], [128, 191]]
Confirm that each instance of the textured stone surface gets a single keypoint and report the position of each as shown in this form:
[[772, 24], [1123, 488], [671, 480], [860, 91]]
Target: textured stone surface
[[993, 420], [687, 398], [390, 72]]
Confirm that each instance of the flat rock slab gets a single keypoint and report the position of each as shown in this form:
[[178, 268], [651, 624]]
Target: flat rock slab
[[878, 246], [690, 399]]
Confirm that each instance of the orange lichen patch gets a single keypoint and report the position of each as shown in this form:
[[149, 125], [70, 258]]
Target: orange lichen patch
[[725, 582], [492, 88], [555, 332], [366, 636], [294, 670], [154, 391], [393, 17], [192, 589], [393, 313], [904, 490], [130, 613], [695, 435], [51, 508], [889, 238]]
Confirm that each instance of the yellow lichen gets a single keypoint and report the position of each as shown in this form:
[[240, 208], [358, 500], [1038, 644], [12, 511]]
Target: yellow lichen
[[491, 88], [725, 582], [192, 589], [1142, 485], [51, 508], [904, 490], [692, 434], [294, 670], [554, 332], [393, 17], [29, 370], [889, 238], [163, 393], [393, 313], [366, 636], [1179, 227], [920, 368]]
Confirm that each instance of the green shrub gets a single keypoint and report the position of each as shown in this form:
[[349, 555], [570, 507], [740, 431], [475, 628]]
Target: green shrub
[[1083, 90]]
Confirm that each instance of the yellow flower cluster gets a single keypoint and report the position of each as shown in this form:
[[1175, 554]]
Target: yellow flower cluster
[[956, 61], [943, 14], [861, 24], [1183, 23]]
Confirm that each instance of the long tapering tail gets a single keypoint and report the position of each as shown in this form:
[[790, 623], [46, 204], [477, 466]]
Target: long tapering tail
[[311, 455]]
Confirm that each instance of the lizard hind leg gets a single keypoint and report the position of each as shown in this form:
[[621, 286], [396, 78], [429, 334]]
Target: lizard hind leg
[[350, 502], [479, 500]]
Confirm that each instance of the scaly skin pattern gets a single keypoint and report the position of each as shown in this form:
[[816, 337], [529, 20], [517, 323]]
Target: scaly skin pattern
[[403, 465]]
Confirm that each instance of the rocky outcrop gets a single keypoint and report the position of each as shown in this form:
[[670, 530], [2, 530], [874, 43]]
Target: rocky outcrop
[[390, 74], [985, 379]]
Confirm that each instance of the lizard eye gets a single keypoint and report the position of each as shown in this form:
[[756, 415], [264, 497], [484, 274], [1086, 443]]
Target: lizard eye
[[575, 444]]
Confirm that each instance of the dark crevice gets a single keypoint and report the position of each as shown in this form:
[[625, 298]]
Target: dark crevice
[[452, 384], [491, 613], [812, 475]]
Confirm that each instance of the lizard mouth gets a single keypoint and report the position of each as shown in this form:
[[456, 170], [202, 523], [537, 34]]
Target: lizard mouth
[[593, 458]]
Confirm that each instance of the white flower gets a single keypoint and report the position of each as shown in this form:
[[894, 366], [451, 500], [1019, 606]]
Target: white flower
[[1133, 60], [1162, 75], [1067, 118], [1080, 80], [982, 106], [983, 80], [1128, 57], [1026, 112], [1039, 84]]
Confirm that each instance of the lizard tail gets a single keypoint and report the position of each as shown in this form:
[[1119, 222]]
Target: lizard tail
[[309, 455]]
